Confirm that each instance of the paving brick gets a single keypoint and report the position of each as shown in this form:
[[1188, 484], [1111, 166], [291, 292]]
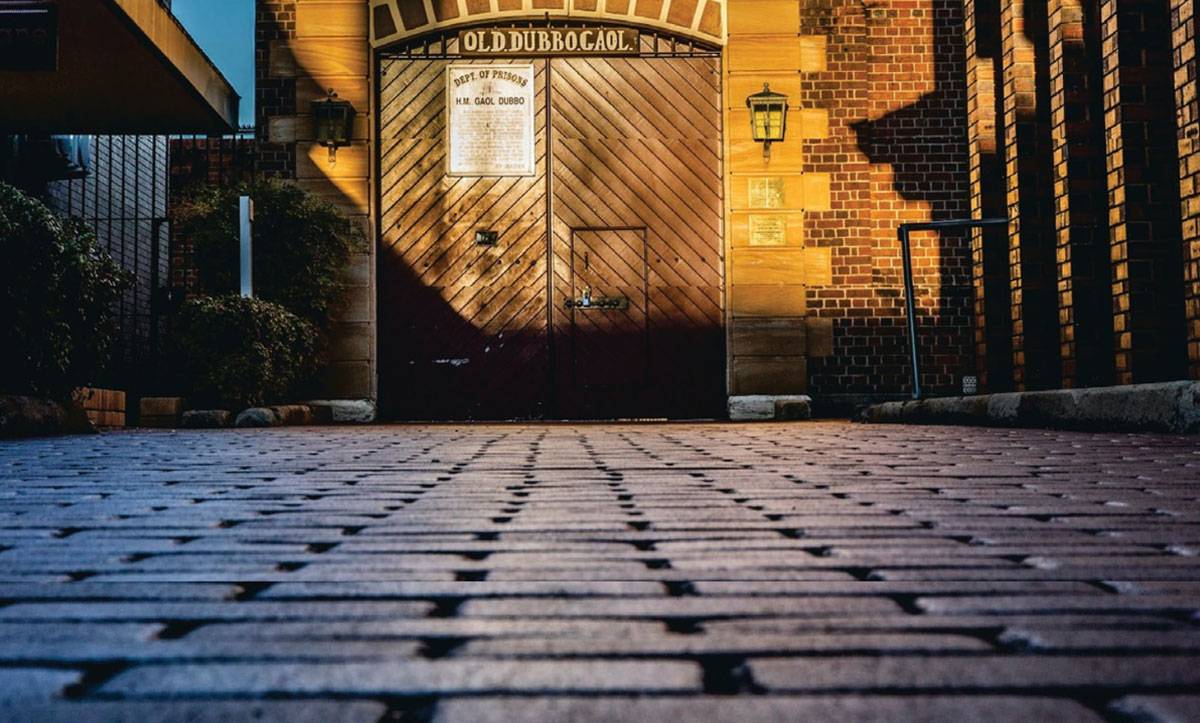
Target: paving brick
[[946, 623], [490, 588], [676, 607], [308, 711], [66, 632], [876, 709], [1045, 603], [430, 627], [977, 673], [406, 678], [641, 572], [1158, 708], [85, 651], [1160, 641], [123, 591], [25, 684], [213, 611], [874, 587], [885, 573], [721, 644]]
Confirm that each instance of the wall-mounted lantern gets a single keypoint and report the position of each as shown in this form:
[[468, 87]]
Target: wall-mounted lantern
[[334, 120], [768, 117]]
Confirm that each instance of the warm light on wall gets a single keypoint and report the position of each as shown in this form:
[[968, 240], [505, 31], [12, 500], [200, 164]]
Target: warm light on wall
[[768, 117], [334, 123]]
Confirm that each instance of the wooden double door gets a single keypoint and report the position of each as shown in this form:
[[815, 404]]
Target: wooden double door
[[600, 294]]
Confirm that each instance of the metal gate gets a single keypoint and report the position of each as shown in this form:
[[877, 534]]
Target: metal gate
[[621, 313]]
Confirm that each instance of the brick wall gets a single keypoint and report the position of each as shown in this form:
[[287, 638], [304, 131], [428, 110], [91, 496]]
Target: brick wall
[[988, 198], [1185, 20], [1099, 124], [1143, 191], [1081, 223], [275, 93], [896, 153], [1029, 173]]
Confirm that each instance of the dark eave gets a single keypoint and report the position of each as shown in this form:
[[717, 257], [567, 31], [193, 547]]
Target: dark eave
[[124, 67]]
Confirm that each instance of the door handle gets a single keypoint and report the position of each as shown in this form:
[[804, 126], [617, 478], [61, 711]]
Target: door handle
[[601, 303]]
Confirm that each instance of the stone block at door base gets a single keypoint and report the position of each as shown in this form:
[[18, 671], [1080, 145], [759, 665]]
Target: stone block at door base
[[160, 412], [790, 410], [348, 411], [762, 407], [206, 419]]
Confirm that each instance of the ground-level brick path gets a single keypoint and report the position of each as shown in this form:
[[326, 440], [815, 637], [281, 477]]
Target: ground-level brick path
[[804, 572]]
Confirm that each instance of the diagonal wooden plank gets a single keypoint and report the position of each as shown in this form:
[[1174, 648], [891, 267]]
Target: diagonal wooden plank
[[615, 186]]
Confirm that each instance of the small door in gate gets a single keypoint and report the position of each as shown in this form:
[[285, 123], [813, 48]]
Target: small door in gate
[[609, 337]]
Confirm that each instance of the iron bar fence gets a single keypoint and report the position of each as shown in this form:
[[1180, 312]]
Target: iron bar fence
[[124, 188], [122, 195]]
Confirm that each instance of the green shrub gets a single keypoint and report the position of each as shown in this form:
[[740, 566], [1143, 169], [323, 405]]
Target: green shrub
[[237, 353], [302, 245], [58, 292]]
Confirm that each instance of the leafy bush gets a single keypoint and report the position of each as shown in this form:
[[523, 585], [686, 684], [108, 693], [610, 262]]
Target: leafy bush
[[302, 245], [58, 290], [238, 353]]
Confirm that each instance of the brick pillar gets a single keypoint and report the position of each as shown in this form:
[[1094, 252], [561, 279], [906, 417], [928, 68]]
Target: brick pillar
[[1143, 188], [845, 226], [989, 247], [1026, 129], [1081, 222], [1187, 113], [275, 21]]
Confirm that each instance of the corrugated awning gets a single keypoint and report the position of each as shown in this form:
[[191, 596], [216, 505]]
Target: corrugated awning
[[108, 67]]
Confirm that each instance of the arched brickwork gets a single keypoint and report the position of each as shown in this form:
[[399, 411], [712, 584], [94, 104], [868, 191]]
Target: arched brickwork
[[394, 20]]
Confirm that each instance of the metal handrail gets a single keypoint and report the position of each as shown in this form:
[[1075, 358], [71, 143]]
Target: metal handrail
[[910, 293]]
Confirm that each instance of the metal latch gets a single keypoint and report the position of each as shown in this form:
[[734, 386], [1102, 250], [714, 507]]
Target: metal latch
[[600, 303]]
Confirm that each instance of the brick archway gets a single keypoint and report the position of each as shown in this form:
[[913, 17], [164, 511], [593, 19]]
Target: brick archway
[[396, 20]]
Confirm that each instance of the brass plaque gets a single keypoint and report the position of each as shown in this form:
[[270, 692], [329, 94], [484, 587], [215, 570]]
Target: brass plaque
[[525, 42], [768, 230], [490, 129], [767, 192]]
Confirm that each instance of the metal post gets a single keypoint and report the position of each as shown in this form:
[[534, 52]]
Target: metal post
[[246, 208], [910, 294], [910, 303]]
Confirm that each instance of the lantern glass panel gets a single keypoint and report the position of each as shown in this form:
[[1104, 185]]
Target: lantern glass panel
[[768, 115], [324, 128], [760, 125], [333, 122], [775, 122]]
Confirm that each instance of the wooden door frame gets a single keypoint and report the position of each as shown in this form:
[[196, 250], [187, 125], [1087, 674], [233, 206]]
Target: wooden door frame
[[680, 46], [644, 232]]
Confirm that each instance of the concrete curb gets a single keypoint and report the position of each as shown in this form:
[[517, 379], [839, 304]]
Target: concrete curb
[[1166, 407], [285, 415], [348, 411], [205, 419], [319, 412], [770, 408]]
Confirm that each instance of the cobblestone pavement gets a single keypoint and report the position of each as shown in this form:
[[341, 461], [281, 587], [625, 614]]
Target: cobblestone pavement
[[807, 572]]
